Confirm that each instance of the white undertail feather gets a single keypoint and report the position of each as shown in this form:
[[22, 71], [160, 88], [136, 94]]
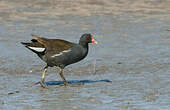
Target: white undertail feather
[[58, 54], [38, 49]]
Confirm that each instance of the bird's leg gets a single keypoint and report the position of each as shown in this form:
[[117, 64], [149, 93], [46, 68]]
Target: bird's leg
[[43, 77], [65, 82], [62, 76]]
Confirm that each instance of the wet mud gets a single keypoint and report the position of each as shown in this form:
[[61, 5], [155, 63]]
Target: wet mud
[[128, 70]]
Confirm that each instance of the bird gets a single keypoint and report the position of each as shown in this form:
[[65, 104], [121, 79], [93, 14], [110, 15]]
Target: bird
[[59, 53]]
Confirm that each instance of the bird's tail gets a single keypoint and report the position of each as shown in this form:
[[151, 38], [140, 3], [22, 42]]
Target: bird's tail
[[34, 46]]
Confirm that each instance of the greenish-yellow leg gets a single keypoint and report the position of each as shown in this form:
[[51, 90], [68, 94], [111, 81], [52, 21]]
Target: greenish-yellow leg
[[65, 82], [43, 78], [62, 76]]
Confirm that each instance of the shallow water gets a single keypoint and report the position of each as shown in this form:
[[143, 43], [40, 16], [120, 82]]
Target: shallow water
[[133, 53]]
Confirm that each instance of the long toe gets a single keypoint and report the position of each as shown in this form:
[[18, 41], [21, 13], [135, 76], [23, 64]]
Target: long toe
[[43, 84]]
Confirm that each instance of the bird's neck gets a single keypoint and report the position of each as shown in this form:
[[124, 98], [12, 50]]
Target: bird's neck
[[85, 49], [84, 44]]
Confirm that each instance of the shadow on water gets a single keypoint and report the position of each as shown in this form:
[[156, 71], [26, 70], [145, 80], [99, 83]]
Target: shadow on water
[[53, 83], [76, 82]]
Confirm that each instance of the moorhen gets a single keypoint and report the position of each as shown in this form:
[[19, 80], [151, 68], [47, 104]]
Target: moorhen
[[59, 53]]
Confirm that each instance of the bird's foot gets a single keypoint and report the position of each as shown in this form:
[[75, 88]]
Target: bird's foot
[[43, 84]]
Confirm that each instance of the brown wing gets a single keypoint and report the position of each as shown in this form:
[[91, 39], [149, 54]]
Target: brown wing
[[54, 46]]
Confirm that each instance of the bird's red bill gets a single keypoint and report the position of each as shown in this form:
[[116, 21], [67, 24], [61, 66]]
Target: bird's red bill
[[93, 41]]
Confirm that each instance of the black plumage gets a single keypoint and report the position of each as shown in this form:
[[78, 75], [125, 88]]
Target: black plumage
[[60, 53]]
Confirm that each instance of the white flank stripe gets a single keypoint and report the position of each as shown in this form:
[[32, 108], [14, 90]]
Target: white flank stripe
[[67, 50], [38, 49], [55, 55]]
